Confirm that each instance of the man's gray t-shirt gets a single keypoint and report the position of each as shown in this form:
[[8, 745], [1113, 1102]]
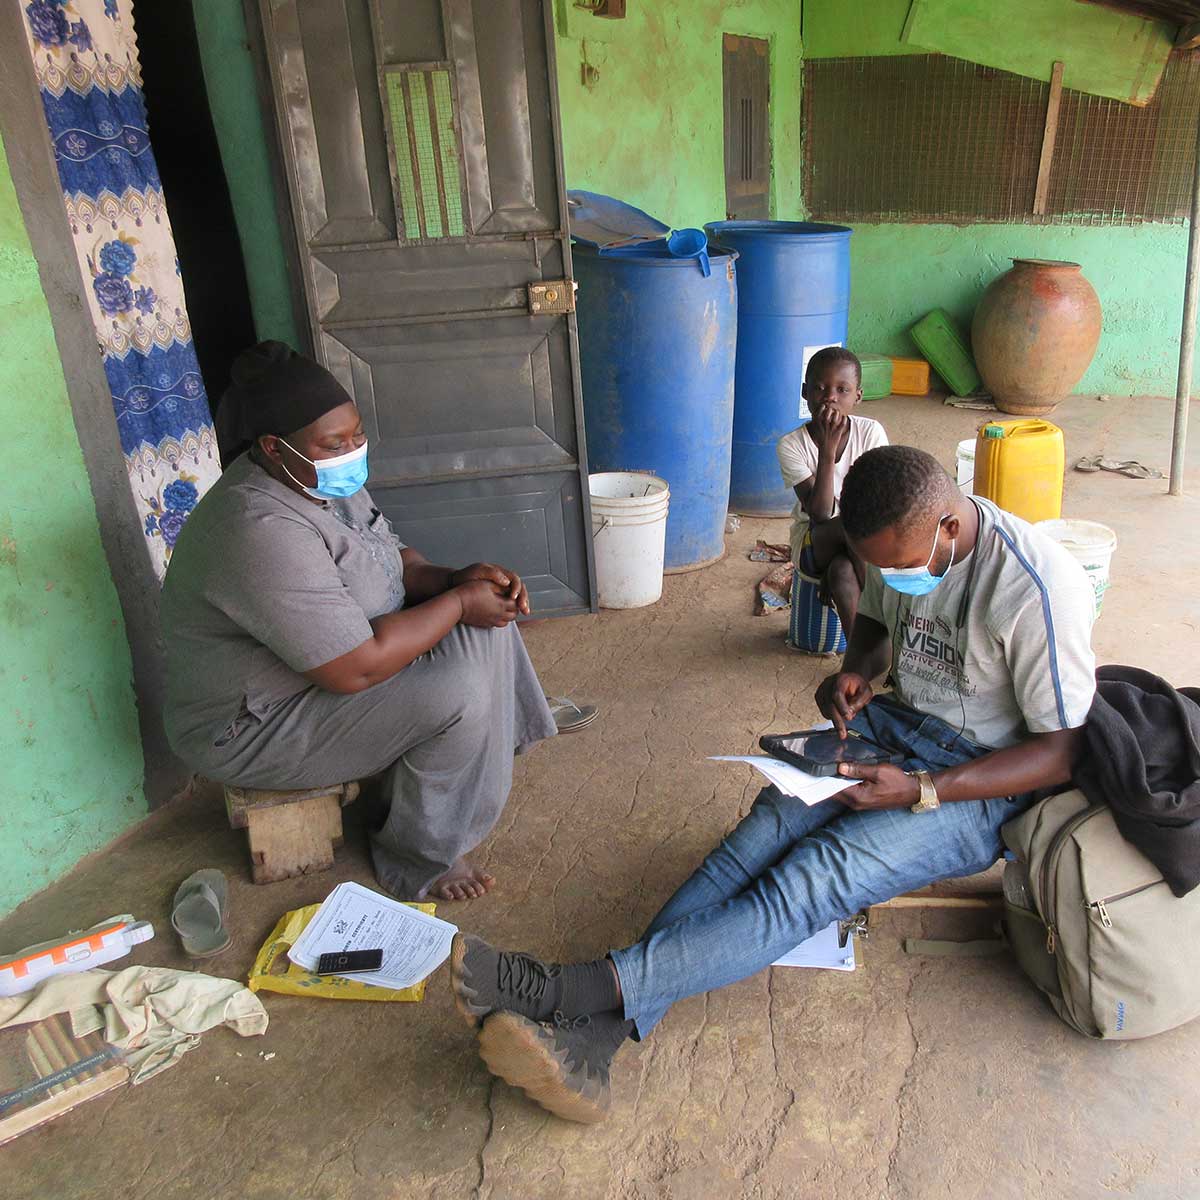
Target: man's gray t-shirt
[[1013, 657], [263, 585]]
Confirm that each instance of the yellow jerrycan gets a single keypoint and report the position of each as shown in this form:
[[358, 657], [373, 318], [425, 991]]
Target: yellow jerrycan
[[1019, 466]]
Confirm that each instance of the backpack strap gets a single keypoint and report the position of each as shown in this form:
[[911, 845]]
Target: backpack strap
[[982, 948]]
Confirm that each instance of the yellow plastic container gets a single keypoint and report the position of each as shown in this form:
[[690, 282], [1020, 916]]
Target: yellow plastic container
[[910, 377], [1019, 466]]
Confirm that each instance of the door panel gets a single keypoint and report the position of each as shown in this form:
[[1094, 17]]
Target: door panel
[[470, 397], [399, 281], [510, 180], [330, 90], [747, 128], [530, 520], [423, 160]]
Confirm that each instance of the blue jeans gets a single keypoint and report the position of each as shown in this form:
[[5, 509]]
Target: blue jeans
[[789, 870]]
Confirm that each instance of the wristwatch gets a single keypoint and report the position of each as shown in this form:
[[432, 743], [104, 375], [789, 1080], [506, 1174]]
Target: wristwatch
[[929, 797]]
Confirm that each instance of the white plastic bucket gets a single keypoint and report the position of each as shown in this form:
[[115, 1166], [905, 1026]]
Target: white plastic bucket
[[965, 459], [629, 534], [1091, 543]]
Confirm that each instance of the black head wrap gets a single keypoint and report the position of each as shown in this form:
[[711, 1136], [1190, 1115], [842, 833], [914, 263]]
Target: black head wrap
[[274, 390]]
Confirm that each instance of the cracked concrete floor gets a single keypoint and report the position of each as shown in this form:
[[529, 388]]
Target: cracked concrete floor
[[910, 1078]]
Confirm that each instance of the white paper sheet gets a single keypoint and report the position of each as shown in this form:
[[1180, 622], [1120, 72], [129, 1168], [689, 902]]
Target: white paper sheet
[[792, 781], [353, 917], [821, 950]]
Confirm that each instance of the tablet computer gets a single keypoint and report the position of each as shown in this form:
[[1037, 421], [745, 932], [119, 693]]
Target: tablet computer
[[821, 751]]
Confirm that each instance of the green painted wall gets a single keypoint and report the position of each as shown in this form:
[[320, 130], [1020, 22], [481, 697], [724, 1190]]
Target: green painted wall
[[900, 272], [229, 75], [650, 130], [861, 29], [1104, 52], [69, 740]]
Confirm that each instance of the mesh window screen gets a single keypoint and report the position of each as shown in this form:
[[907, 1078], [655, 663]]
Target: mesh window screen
[[425, 140], [932, 138]]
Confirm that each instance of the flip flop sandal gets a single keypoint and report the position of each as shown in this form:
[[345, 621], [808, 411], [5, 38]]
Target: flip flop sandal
[[1131, 468], [198, 914], [1128, 467], [568, 715]]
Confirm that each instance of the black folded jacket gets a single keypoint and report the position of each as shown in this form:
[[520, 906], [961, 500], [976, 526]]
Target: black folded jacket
[[1142, 759]]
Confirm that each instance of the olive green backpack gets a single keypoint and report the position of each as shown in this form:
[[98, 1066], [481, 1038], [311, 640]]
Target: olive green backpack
[[1093, 924]]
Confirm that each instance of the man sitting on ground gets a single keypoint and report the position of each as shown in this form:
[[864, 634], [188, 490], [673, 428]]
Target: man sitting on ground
[[984, 624]]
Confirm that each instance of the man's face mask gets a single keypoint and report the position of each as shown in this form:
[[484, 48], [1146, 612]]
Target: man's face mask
[[336, 477], [919, 581]]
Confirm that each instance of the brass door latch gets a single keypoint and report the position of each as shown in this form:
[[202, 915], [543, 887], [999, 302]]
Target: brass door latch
[[552, 298]]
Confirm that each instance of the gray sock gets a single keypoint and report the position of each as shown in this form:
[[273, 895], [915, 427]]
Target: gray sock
[[588, 988]]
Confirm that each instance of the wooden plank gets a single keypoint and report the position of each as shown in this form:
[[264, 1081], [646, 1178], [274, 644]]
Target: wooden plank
[[931, 901], [1041, 194], [240, 801], [1188, 37]]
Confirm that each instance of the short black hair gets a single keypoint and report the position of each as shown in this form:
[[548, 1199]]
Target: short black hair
[[893, 486], [830, 355]]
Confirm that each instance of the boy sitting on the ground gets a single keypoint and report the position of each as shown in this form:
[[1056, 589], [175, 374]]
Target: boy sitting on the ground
[[814, 460]]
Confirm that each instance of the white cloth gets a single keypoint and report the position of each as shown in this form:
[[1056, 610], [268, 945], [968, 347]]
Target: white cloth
[[153, 1014], [798, 461], [1021, 660]]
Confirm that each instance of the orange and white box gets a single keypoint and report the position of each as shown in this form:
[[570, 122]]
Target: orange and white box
[[79, 951]]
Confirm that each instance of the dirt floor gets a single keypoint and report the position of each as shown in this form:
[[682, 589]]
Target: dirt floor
[[909, 1078]]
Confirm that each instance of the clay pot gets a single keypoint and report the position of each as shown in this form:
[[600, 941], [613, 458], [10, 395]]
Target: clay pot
[[1034, 334]]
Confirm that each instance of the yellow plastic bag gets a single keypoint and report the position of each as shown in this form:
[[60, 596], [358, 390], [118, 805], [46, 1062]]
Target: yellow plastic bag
[[295, 981]]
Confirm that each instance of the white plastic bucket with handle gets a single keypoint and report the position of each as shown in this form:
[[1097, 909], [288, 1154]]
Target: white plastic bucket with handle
[[629, 535], [1091, 543], [965, 461]]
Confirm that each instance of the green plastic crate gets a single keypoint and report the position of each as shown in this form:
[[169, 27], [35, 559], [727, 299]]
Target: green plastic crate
[[940, 343], [876, 376]]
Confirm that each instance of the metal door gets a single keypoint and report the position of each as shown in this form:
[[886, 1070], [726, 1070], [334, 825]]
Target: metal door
[[421, 145], [746, 73]]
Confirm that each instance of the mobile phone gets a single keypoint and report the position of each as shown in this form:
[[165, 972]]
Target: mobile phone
[[821, 751], [349, 962]]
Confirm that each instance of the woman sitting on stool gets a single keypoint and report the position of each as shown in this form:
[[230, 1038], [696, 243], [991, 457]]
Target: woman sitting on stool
[[306, 645]]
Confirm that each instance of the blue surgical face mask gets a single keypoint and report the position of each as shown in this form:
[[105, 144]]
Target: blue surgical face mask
[[918, 581], [336, 477]]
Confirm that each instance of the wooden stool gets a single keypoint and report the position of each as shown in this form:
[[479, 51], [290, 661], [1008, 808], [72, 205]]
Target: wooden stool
[[289, 833], [984, 890]]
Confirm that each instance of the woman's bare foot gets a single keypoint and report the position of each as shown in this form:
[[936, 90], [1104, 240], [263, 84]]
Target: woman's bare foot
[[461, 882]]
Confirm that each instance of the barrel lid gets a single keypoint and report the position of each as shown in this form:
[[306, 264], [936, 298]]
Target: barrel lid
[[804, 230], [607, 223], [993, 431]]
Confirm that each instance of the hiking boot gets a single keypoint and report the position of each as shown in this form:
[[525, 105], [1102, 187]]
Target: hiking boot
[[562, 1064], [485, 979]]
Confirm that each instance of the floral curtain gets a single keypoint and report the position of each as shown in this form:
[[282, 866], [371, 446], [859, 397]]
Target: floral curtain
[[85, 57]]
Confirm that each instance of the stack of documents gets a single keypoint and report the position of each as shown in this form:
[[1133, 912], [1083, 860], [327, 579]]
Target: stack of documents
[[792, 781], [821, 950], [353, 917]]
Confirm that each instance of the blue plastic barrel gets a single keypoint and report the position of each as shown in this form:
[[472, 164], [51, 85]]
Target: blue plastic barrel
[[657, 341], [793, 299]]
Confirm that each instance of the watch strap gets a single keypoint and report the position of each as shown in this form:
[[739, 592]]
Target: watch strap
[[929, 798]]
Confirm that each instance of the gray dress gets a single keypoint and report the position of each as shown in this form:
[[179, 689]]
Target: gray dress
[[264, 585]]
